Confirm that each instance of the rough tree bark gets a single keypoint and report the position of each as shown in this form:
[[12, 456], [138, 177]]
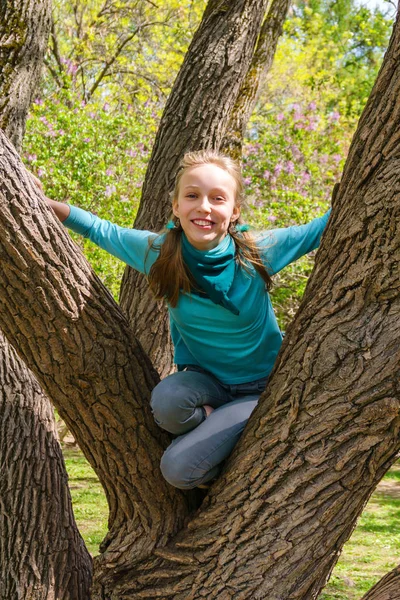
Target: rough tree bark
[[262, 60], [196, 116], [42, 553], [24, 32], [325, 430]]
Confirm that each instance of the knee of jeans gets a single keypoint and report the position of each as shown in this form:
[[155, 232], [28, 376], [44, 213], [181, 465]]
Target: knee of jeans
[[160, 401], [176, 470]]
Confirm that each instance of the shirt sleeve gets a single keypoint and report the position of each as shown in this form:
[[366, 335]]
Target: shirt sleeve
[[132, 246], [280, 247]]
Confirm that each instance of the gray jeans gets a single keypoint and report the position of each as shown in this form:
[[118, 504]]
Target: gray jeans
[[195, 456]]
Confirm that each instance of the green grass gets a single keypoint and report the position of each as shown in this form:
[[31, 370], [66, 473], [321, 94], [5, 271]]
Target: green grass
[[372, 551], [88, 499]]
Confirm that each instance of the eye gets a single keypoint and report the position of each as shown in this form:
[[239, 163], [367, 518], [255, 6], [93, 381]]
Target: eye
[[191, 195], [219, 198]]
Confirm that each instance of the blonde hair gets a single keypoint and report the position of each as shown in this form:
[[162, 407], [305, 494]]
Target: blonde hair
[[169, 275]]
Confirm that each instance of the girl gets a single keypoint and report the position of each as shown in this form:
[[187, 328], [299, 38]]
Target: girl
[[215, 279]]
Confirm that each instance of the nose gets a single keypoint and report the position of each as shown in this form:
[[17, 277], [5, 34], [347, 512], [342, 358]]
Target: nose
[[204, 205]]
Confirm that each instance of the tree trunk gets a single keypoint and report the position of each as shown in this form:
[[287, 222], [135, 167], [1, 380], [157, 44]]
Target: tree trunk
[[388, 588], [41, 552], [24, 32], [262, 60], [196, 116]]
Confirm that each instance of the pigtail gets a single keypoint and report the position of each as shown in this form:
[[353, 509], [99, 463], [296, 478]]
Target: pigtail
[[169, 275], [247, 252]]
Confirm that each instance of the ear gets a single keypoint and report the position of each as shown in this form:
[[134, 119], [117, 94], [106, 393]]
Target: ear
[[235, 214], [175, 208]]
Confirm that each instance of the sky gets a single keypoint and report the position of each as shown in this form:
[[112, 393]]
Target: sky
[[382, 4]]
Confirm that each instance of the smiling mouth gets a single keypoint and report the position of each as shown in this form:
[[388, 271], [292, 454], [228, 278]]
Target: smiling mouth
[[202, 223]]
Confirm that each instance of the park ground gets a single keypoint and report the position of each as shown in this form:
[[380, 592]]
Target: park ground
[[372, 551]]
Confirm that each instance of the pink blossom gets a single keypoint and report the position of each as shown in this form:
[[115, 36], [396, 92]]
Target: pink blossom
[[312, 106], [131, 153], [280, 116], [109, 171], [323, 159], [92, 115], [272, 218], [86, 140], [39, 101], [289, 167], [266, 174], [337, 157], [299, 125], [32, 157], [247, 180], [110, 190], [106, 107], [278, 168], [312, 126], [335, 116], [305, 177], [40, 172], [296, 152], [61, 132]]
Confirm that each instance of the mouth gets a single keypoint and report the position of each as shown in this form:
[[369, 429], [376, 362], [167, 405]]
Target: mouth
[[203, 223]]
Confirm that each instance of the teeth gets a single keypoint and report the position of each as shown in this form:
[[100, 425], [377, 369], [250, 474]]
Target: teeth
[[199, 222]]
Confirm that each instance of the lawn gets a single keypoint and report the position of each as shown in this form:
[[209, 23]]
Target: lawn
[[372, 551]]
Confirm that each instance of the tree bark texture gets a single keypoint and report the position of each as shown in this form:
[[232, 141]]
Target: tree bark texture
[[262, 60], [388, 588], [24, 32], [196, 116], [42, 555], [327, 427], [70, 332]]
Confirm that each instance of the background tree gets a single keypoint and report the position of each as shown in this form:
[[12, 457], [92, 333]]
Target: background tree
[[206, 112], [106, 49]]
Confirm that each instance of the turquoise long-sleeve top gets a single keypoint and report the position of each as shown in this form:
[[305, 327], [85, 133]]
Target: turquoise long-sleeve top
[[234, 348]]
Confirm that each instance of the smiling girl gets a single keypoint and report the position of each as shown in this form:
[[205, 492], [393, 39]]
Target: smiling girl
[[214, 277]]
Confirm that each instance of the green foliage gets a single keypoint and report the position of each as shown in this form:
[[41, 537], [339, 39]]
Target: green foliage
[[93, 158]]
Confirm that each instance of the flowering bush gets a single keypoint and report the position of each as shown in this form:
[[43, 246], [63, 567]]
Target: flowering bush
[[93, 158]]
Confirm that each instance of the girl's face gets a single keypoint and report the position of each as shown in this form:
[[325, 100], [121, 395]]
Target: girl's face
[[206, 205]]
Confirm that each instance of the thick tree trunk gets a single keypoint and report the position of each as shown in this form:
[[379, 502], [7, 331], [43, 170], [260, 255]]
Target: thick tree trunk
[[196, 116], [262, 60], [24, 32], [42, 555], [70, 332], [388, 588]]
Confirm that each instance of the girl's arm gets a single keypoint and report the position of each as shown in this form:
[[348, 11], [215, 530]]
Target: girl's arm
[[62, 210], [280, 247]]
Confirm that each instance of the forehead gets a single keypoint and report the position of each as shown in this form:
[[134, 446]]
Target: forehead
[[208, 176]]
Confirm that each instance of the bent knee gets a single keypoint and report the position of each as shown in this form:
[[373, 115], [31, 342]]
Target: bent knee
[[176, 472]]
